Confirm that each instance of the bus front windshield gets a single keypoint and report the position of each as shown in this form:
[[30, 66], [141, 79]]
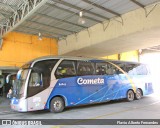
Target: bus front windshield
[[21, 82]]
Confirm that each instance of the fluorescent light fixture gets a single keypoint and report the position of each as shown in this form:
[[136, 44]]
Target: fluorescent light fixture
[[39, 36], [81, 20]]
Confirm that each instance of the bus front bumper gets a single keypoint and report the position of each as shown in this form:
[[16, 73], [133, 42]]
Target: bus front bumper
[[19, 105]]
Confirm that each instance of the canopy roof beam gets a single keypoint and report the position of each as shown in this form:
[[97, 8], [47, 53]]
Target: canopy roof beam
[[43, 31], [50, 26], [8, 6], [138, 3], [73, 13], [20, 15], [101, 7], [80, 9], [64, 21], [35, 33]]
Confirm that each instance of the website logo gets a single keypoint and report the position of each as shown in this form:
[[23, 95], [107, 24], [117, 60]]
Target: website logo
[[6, 122]]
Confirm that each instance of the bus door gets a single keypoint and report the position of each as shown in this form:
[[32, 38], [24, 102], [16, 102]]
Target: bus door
[[38, 86], [36, 92]]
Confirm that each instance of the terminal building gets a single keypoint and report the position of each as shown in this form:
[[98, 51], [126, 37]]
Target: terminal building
[[121, 32]]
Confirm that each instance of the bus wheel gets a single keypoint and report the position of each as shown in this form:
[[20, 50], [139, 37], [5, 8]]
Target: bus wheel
[[57, 105], [130, 95], [138, 94]]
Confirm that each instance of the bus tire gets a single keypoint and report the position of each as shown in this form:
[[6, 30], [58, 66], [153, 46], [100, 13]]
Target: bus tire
[[138, 94], [57, 105], [130, 95]]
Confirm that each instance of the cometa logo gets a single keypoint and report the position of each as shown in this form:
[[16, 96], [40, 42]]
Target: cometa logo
[[82, 81]]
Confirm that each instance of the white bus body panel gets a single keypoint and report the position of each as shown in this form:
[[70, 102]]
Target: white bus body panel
[[38, 101]]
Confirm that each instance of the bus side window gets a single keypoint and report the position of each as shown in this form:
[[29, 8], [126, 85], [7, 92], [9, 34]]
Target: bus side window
[[66, 69], [35, 80], [100, 68], [35, 84], [85, 68], [110, 69]]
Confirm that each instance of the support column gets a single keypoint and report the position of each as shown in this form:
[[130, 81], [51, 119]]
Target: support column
[[1, 43]]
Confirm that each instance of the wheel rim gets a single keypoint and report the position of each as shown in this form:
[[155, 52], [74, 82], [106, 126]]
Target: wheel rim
[[130, 95], [138, 94], [57, 105]]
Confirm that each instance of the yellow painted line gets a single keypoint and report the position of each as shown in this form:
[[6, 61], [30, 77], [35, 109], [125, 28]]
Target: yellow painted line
[[130, 80], [56, 127]]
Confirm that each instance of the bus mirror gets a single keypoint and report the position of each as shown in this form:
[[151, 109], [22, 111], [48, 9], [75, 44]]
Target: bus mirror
[[10, 76], [7, 79], [19, 74]]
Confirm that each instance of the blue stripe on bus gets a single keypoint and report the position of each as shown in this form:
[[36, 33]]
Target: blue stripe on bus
[[91, 89], [88, 89]]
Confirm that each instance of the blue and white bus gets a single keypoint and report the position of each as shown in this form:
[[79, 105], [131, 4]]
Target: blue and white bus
[[54, 83]]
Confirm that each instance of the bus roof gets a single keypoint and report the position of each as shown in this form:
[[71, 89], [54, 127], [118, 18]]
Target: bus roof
[[80, 58], [59, 57]]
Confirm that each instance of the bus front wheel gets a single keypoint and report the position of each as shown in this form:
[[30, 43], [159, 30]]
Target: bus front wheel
[[130, 95], [138, 94], [57, 105]]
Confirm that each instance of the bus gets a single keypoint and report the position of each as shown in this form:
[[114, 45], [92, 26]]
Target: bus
[[55, 82]]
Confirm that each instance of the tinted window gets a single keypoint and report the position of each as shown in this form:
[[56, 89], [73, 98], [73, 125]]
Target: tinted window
[[133, 68], [111, 69], [40, 76], [106, 69], [101, 68], [67, 68], [85, 68], [138, 70], [35, 79]]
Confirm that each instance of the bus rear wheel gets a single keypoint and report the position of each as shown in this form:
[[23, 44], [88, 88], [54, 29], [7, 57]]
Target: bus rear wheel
[[130, 95], [57, 105], [138, 94]]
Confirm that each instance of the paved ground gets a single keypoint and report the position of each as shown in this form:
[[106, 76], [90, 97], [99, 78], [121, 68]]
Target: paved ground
[[146, 108]]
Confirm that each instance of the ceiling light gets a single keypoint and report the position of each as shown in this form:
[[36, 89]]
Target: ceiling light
[[39, 36], [140, 51], [80, 14], [81, 20]]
